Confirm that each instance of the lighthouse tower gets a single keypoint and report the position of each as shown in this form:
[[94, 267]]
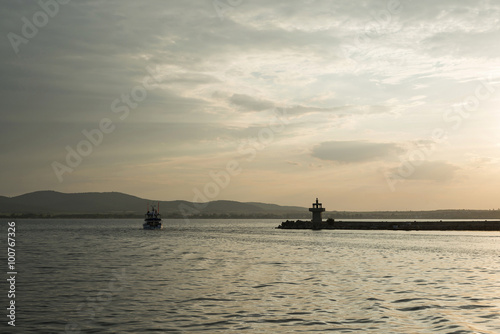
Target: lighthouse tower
[[317, 209]]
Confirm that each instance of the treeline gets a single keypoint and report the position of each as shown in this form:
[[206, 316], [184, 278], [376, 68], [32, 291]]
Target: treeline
[[243, 216], [69, 216], [437, 214]]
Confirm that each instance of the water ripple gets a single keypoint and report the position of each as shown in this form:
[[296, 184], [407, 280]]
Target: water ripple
[[227, 277]]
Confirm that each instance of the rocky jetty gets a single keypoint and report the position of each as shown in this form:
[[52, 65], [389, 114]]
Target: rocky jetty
[[306, 225], [317, 223], [331, 224]]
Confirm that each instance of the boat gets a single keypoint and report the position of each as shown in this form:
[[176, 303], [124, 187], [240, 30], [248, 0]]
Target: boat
[[152, 219]]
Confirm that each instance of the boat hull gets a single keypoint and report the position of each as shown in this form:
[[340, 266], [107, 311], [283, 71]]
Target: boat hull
[[152, 227], [152, 224]]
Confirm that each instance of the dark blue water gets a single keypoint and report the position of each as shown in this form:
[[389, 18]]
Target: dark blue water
[[222, 276]]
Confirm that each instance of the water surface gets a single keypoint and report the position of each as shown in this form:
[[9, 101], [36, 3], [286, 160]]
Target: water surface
[[223, 276]]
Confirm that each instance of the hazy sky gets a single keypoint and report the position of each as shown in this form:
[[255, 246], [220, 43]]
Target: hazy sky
[[368, 105]]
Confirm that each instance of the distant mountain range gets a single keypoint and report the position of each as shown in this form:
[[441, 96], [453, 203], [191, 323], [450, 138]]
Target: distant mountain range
[[118, 205], [52, 203]]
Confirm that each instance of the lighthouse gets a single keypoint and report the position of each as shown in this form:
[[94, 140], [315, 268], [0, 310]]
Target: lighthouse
[[317, 209]]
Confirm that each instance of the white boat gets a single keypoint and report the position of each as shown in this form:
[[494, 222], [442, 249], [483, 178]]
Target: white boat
[[152, 219]]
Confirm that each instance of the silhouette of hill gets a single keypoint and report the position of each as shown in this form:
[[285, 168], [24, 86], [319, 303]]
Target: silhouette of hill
[[114, 204], [52, 203]]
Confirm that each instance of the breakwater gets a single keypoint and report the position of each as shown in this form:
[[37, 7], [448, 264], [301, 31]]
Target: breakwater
[[430, 225]]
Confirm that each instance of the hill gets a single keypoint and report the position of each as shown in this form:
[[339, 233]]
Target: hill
[[115, 204], [119, 205]]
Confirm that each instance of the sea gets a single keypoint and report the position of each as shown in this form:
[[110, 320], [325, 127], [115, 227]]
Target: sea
[[245, 276]]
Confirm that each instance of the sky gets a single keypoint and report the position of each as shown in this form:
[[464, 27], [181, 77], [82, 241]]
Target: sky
[[367, 105]]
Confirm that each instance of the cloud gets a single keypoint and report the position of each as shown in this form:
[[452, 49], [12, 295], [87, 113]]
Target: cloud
[[459, 43], [354, 151], [189, 79], [249, 103], [301, 110], [439, 171], [478, 161]]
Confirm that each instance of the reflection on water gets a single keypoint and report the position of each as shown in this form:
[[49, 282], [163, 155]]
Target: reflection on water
[[109, 276]]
